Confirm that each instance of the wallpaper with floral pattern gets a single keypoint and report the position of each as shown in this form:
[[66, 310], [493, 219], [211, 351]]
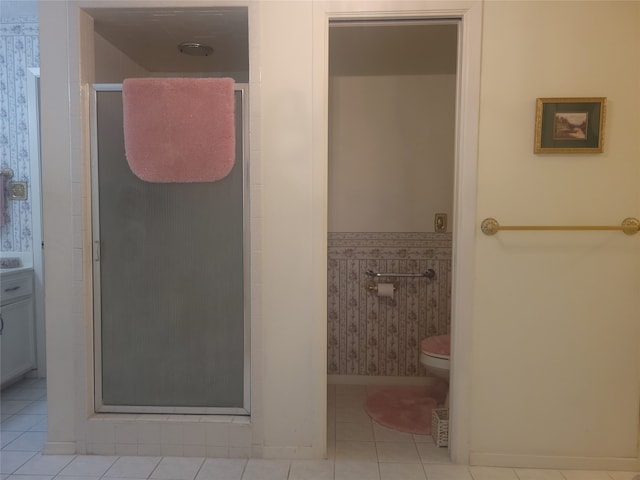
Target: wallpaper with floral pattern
[[19, 51], [371, 335]]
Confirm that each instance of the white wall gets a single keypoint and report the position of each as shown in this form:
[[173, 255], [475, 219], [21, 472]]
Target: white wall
[[111, 65], [556, 352], [278, 360], [555, 355], [391, 152], [294, 392]]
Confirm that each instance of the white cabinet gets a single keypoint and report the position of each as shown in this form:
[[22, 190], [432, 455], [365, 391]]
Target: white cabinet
[[17, 326]]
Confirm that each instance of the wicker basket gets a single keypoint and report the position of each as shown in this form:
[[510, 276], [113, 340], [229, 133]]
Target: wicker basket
[[440, 426]]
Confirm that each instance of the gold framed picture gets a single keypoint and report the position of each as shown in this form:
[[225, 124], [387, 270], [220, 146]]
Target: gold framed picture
[[570, 125]]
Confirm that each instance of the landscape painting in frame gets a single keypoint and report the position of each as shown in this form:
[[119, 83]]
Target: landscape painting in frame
[[570, 125]]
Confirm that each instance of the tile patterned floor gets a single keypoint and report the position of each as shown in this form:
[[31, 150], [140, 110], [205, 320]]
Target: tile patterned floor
[[359, 449]]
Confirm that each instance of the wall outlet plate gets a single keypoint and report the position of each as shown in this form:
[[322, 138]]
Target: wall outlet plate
[[440, 222]]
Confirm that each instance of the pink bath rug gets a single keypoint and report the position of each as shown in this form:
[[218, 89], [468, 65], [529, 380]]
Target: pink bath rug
[[179, 130], [405, 408]]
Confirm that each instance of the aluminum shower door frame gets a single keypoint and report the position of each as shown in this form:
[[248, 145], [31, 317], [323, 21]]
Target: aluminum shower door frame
[[99, 407]]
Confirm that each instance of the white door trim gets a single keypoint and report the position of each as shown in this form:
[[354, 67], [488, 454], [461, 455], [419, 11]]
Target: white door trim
[[35, 191], [469, 14]]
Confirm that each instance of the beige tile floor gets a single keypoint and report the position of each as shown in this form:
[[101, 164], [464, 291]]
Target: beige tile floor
[[359, 449]]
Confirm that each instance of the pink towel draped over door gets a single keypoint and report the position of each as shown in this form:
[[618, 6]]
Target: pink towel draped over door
[[179, 129]]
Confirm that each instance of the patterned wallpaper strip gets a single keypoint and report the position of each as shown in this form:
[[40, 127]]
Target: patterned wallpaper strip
[[19, 51], [371, 335]]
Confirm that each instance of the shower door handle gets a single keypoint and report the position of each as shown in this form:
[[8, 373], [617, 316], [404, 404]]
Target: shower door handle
[[96, 251]]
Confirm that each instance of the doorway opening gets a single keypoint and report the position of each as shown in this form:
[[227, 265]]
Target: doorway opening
[[171, 265], [392, 114], [33, 100]]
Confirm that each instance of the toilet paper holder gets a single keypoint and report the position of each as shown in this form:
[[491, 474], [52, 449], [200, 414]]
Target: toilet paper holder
[[373, 287]]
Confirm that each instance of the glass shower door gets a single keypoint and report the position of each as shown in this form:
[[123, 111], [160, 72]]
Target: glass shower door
[[170, 281]]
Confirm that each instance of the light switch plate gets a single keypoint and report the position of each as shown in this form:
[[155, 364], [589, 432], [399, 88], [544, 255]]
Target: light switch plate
[[440, 222], [18, 190]]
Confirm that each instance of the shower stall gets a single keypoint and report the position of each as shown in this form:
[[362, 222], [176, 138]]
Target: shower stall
[[171, 279]]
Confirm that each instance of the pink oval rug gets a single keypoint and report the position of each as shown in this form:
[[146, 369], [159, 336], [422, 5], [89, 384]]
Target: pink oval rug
[[403, 408]]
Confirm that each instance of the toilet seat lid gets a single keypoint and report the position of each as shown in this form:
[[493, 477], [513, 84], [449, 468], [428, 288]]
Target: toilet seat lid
[[437, 345]]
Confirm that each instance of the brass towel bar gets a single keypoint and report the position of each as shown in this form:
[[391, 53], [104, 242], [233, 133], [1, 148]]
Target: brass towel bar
[[629, 226]]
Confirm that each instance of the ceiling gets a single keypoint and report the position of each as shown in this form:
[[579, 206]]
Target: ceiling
[[149, 36]]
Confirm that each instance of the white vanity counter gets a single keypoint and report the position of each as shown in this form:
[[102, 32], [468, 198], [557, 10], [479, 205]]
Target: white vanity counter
[[17, 323], [6, 273]]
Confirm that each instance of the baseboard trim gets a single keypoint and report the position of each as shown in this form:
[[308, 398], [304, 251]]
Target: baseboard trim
[[378, 380], [59, 448], [554, 462]]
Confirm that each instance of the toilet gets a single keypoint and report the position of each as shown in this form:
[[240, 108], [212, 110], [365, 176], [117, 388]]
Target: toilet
[[434, 355]]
